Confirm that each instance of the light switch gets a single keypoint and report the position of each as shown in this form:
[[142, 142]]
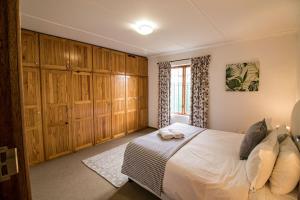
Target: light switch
[[8, 163]]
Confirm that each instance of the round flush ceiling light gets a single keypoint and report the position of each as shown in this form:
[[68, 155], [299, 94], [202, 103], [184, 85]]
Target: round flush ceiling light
[[144, 27]]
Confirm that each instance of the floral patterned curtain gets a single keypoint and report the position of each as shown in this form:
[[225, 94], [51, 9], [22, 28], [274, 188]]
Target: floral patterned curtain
[[199, 87], [164, 82]]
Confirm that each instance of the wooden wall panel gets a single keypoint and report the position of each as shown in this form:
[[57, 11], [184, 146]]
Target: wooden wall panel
[[143, 102], [32, 115], [101, 60], [118, 62], [143, 66], [102, 107], [132, 103], [56, 90], [118, 105], [54, 52], [132, 65], [80, 56], [30, 49], [82, 110]]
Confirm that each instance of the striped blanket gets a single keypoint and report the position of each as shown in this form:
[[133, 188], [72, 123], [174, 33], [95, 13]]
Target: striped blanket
[[145, 157]]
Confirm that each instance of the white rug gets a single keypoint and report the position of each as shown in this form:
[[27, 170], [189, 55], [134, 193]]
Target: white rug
[[108, 165]]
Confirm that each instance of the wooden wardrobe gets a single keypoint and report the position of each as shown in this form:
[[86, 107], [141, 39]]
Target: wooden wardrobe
[[32, 97], [77, 95]]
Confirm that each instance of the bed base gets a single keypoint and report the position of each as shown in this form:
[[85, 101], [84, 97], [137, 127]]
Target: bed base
[[162, 197]]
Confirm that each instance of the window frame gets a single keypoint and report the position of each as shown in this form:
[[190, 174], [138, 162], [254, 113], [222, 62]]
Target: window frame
[[183, 106]]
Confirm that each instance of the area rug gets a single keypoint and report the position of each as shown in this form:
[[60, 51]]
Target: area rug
[[108, 165]]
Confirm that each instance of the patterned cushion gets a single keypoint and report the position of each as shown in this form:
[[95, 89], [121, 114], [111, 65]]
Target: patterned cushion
[[254, 135]]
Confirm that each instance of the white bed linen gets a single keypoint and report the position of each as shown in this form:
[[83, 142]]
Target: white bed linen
[[266, 194], [206, 168]]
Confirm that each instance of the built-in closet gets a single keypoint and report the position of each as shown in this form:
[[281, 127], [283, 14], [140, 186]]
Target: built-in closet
[[77, 95]]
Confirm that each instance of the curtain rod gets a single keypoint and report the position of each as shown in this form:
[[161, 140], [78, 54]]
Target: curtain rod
[[179, 60]]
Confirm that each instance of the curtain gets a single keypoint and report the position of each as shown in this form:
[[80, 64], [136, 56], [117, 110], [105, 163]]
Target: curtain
[[164, 82], [199, 87]]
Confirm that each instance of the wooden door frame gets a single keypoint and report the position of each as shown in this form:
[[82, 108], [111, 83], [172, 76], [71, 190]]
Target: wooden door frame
[[11, 118]]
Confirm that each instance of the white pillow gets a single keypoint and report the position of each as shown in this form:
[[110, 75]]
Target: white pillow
[[261, 161], [282, 130], [286, 172], [269, 124]]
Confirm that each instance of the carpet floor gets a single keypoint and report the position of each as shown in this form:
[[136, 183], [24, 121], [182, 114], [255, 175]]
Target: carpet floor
[[67, 178]]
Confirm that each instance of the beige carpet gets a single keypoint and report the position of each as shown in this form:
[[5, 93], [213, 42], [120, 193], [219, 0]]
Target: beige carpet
[[66, 178]]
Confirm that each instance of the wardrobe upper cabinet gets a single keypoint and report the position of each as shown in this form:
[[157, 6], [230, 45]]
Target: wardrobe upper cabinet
[[118, 62], [80, 56], [143, 66], [54, 52], [132, 111], [56, 90], [132, 65], [143, 102], [82, 110], [32, 115], [101, 60], [102, 107], [118, 105], [30, 48]]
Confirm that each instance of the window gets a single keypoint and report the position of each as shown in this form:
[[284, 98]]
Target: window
[[181, 90]]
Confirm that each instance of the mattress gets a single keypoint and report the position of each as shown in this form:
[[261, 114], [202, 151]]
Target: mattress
[[208, 167]]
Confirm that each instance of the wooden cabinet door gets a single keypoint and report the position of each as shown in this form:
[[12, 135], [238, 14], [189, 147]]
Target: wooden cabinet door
[[102, 107], [143, 102], [118, 105], [132, 103], [143, 66], [54, 52], [101, 60], [132, 65], [80, 56], [32, 115], [30, 48], [56, 90], [118, 62], [82, 109]]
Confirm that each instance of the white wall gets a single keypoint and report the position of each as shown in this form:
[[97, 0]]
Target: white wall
[[235, 111], [298, 72]]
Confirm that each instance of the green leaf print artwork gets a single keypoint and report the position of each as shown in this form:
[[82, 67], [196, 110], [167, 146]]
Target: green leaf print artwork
[[242, 76]]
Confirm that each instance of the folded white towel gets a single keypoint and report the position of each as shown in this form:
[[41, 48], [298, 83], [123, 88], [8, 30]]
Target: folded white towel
[[168, 134], [177, 133], [165, 134]]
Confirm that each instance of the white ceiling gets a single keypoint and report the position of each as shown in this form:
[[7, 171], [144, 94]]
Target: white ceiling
[[181, 24]]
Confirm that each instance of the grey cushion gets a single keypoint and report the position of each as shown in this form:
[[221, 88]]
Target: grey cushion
[[254, 135]]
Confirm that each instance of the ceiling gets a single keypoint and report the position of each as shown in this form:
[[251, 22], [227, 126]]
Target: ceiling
[[181, 24]]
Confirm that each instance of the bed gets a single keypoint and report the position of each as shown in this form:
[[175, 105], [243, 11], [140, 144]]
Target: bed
[[205, 167], [212, 171]]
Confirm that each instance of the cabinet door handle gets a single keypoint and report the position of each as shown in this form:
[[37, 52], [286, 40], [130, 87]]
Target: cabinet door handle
[[66, 123]]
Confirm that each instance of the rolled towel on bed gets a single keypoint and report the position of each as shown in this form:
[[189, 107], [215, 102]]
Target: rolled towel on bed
[[177, 133], [165, 134]]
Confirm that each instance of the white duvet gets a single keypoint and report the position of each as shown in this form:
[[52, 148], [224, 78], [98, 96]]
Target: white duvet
[[206, 168]]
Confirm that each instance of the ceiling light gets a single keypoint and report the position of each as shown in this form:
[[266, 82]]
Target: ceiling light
[[144, 27]]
